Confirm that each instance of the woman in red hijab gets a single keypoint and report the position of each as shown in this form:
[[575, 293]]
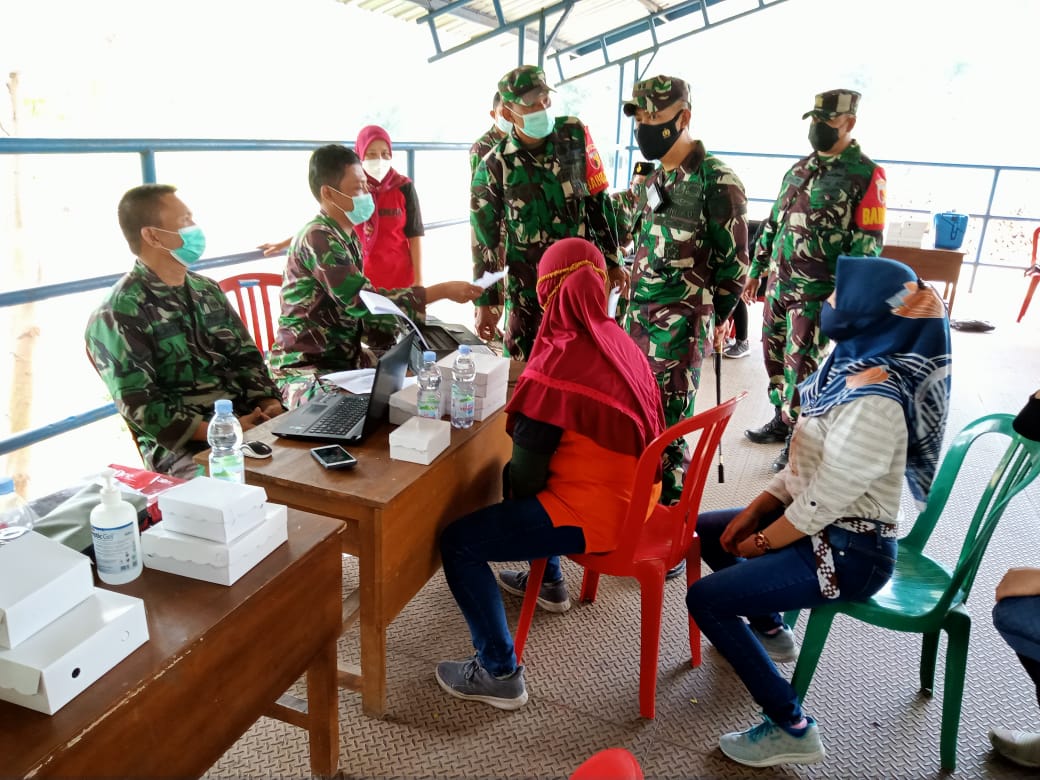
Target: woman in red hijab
[[583, 411], [392, 238]]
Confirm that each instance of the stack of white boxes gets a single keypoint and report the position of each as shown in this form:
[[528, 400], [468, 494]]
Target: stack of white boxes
[[213, 530], [490, 385], [58, 633]]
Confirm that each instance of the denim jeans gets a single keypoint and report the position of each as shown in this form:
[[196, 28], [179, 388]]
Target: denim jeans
[[775, 582], [1017, 619], [507, 531]]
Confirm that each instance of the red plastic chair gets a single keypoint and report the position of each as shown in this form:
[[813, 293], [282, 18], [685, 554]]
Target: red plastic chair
[[649, 547], [1034, 272], [251, 298], [609, 764]]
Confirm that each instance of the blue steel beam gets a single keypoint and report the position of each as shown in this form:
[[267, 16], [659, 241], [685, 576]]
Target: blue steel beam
[[36, 435], [516, 24]]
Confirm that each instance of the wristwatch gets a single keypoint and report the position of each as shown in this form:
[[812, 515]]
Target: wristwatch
[[761, 542]]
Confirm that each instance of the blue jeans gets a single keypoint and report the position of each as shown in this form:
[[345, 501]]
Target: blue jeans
[[780, 580], [1017, 619], [507, 531]]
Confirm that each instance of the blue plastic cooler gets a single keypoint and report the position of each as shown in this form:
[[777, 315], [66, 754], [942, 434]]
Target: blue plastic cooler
[[949, 230]]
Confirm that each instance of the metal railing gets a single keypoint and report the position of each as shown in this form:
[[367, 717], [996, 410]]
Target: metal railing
[[147, 149]]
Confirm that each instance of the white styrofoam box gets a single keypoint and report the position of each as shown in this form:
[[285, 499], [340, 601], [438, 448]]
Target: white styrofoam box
[[59, 662], [485, 407], [490, 370], [40, 580], [908, 232], [212, 508], [405, 403], [420, 440], [219, 562]]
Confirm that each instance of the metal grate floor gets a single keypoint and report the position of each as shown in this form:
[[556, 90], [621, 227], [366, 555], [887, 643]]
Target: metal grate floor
[[582, 666]]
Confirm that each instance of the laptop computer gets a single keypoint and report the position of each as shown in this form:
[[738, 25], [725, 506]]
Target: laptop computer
[[345, 417]]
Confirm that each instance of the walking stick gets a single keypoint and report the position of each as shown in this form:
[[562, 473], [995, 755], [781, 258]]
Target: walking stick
[[718, 402]]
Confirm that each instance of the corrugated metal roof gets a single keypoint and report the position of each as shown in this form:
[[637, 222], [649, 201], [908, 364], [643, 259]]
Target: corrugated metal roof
[[581, 36]]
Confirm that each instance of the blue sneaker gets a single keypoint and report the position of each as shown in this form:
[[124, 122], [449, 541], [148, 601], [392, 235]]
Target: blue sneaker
[[767, 744]]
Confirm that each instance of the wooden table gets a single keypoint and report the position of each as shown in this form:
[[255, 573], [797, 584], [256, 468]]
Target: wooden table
[[394, 513], [217, 659], [932, 265]]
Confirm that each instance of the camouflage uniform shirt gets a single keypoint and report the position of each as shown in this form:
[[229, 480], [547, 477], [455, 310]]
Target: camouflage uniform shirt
[[827, 206], [323, 321], [482, 146], [166, 354], [529, 198]]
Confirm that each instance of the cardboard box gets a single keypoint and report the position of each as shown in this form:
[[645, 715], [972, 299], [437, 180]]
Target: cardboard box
[[62, 660], [485, 407], [40, 580], [491, 369], [218, 562], [405, 403], [212, 508], [420, 440]]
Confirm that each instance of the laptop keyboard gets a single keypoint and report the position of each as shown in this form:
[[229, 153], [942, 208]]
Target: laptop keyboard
[[341, 418]]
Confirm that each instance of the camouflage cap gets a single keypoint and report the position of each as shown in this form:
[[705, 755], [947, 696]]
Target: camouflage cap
[[523, 85], [834, 103], [656, 94]]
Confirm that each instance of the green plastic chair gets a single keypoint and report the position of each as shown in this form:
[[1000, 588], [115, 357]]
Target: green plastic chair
[[923, 596]]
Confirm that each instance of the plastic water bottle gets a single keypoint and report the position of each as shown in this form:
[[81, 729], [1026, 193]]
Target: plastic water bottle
[[116, 535], [225, 441], [16, 516], [462, 375], [429, 396]]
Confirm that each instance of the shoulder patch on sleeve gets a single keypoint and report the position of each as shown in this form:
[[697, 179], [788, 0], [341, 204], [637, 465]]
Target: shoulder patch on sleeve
[[595, 176], [870, 214]]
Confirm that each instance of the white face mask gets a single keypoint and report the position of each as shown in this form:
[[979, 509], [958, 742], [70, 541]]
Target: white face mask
[[377, 168]]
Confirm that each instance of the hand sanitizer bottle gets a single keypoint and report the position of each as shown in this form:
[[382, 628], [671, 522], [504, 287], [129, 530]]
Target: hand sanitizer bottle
[[117, 538]]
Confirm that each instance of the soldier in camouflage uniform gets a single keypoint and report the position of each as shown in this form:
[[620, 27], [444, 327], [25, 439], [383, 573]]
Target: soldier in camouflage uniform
[[543, 182], [830, 203], [167, 343], [691, 256], [500, 128], [324, 326]]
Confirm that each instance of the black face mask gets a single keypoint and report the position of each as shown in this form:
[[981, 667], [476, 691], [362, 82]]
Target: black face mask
[[655, 140], [822, 136]]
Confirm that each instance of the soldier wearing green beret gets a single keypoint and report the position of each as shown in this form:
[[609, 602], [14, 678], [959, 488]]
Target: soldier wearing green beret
[[831, 203], [688, 222], [542, 182]]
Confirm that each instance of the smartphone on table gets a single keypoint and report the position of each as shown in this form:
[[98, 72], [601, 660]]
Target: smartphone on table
[[333, 456]]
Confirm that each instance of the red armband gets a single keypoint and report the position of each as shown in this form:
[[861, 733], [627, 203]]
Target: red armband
[[595, 176], [870, 214]]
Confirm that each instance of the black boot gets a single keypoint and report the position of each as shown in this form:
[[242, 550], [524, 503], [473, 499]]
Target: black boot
[[773, 432], [782, 458]]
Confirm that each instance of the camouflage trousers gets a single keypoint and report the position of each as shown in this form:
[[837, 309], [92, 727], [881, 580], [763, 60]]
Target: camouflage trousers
[[523, 315], [675, 353], [791, 345]]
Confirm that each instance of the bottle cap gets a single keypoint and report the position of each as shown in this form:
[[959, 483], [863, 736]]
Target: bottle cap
[[464, 349], [429, 357], [223, 406], [6, 486]]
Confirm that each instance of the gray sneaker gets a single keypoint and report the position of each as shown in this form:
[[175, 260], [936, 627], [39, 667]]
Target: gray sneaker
[[768, 745], [737, 349], [469, 680], [552, 596], [1021, 747], [782, 647]]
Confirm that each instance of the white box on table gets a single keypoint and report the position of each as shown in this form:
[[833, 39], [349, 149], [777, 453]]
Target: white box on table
[[62, 660], [420, 440], [491, 369], [204, 559], [212, 508], [40, 580], [485, 407], [405, 403]]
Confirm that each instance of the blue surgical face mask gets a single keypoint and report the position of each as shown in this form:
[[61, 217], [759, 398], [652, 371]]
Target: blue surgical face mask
[[194, 244], [538, 124], [503, 124], [364, 207]]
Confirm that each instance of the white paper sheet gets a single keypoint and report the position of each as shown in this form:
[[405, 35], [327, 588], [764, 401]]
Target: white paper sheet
[[357, 381], [380, 304], [489, 278], [612, 302]]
